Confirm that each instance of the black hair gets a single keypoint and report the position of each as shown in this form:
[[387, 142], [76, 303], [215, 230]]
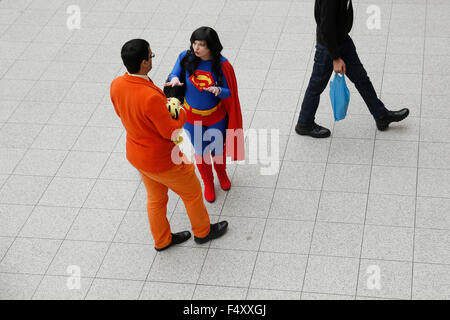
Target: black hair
[[133, 53], [190, 61]]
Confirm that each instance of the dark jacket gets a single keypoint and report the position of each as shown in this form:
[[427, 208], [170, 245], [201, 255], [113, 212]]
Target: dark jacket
[[334, 21]]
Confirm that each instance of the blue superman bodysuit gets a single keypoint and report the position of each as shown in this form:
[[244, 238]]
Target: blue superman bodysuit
[[202, 101]]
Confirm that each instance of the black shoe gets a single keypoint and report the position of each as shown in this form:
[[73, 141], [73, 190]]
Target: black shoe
[[217, 230], [177, 238], [313, 130], [391, 116]]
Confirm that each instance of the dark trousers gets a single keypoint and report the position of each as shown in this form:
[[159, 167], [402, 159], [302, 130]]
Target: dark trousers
[[322, 70]]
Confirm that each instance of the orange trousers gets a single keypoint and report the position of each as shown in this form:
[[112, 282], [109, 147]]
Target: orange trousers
[[183, 181]]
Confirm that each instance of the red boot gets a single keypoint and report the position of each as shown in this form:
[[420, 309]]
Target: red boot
[[220, 166], [205, 168]]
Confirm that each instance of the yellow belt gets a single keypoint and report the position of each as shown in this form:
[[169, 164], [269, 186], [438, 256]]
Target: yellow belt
[[202, 112]]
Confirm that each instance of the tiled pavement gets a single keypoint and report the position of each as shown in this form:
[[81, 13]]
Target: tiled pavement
[[340, 211]]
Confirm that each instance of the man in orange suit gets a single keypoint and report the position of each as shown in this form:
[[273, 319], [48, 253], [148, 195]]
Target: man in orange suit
[[142, 108]]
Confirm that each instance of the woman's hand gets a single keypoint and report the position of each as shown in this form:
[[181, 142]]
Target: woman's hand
[[214, 90], [174, 82]]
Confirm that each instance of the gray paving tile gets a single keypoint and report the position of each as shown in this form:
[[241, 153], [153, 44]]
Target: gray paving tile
[[221, 265], [32, 256], [12, 218], [307, 150], [433, 183], [323, 296], [434, 84], [272, 120], [269, 100], [333, 239], [395, 63], [434, 107], [67, 192], [49, 91], [263, 294], [279, 271], [18, 136], [248, 202], [96, 225], [286, 236], [98, 139], [127, 261], [347, 178], [73, 114], [56, 288], [393, 180], [57, 137], [7, 107], [5, 243], [433, 213], [171, 266], [118, 168], [308, 176], [431, 282], [351, 151], [33, 112], [112, 194], [49, 222], [219, 293], [294, 204], [434, 155], [331, 275], [249, 175], [38, 163], [86, 255], [18, 286], [431, 246], [435, 130], [391, 210], [25, 190], [105, 116], [135, 228], [385, 279], [167, 291], [388, 243], [108, 289], [79, 164], [396, 153], [3, 178], [342, 207]]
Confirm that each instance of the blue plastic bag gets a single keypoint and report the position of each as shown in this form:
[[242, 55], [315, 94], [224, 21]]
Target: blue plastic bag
[[340, 97]]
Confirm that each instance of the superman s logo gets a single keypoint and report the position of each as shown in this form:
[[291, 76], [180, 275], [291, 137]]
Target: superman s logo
[[202, 79]]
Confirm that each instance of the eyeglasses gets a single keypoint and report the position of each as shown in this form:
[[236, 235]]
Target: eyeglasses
[[153, 55]]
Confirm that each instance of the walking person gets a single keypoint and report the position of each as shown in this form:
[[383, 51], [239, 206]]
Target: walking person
[[214, 117], [335, 51], [142, 109]]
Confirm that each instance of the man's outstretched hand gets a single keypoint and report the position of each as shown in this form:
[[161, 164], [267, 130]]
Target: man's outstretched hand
[[339, 66]]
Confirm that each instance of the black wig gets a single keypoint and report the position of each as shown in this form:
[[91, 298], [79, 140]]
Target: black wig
[[190, 61]]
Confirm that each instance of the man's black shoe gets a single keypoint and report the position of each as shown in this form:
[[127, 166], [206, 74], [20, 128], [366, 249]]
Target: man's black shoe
[[217, 230], [177, 238], [313, 130], [391, 116]]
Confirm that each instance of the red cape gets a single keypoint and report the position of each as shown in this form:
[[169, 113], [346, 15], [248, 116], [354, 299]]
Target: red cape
[[234, 143]]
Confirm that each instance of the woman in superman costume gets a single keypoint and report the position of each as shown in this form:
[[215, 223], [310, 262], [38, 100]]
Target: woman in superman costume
[[214, 117]]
